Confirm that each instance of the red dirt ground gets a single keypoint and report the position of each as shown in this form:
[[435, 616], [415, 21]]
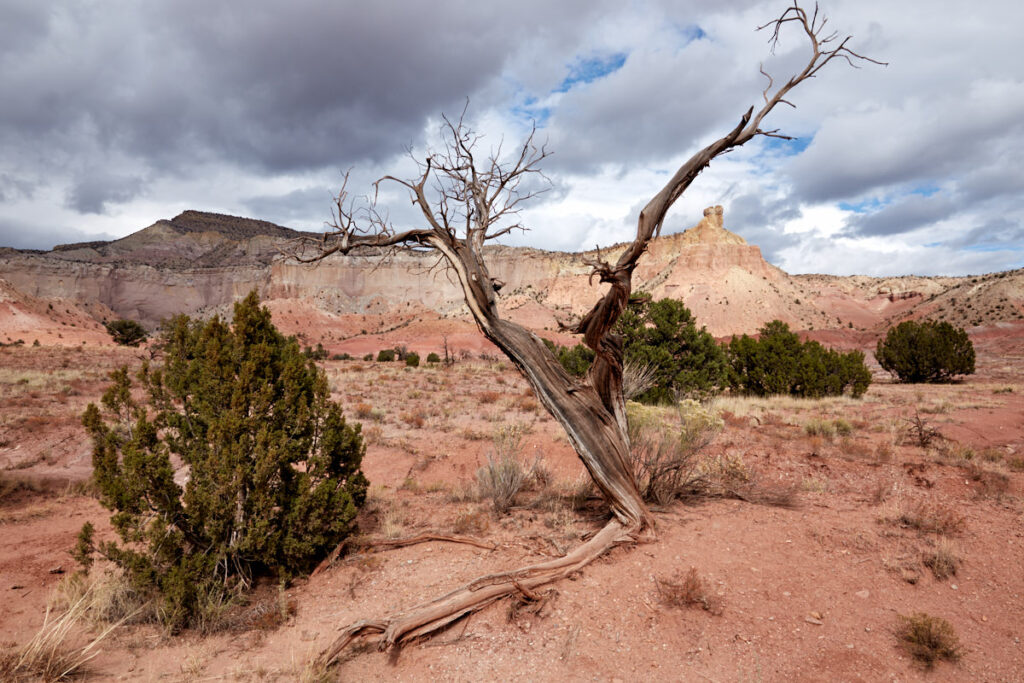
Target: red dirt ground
[[810, 593]]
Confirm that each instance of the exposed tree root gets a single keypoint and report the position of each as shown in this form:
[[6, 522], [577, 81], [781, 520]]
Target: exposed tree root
[[430, 617], [392, 543]]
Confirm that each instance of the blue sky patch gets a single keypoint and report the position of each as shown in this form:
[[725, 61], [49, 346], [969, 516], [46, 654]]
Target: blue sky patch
[[787, 148], [925, 190], [591, 69], [864, 206], [529, 110]]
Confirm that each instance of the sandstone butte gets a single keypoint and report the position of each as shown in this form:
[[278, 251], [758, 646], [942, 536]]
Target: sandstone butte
[[199, 263]]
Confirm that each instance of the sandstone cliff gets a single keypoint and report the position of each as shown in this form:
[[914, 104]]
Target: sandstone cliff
[[199, 263]]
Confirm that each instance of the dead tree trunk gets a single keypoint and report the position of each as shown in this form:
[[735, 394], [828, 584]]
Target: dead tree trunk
[[476, 200]]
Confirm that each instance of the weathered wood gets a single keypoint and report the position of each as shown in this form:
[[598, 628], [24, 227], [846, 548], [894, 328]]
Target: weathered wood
[[475, 200]]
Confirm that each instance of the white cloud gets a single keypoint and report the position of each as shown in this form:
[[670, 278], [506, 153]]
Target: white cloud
[[119, 114]]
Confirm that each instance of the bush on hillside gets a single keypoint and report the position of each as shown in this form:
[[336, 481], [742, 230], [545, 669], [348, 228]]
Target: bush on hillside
[[663, 335], [926, 351], [126, 332], [385, 355], [777, 362], [412, 359], [433, 358], [575, 359], [274, 479]]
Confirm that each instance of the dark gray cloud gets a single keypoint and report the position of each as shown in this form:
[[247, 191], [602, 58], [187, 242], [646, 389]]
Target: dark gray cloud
[[92, 192], [31, 235], [118, 113], [275, 87], [291, 207]]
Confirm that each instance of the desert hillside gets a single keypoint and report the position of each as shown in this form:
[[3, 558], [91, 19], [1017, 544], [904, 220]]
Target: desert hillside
[[199, 263]]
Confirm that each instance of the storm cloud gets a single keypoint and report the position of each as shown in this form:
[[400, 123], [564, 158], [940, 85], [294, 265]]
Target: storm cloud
[[118, 113]]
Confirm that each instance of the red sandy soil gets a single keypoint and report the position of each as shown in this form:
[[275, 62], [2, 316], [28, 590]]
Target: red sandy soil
[[809, 593]]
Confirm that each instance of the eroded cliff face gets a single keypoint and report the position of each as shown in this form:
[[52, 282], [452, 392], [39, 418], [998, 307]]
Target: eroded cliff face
[[198, 263]]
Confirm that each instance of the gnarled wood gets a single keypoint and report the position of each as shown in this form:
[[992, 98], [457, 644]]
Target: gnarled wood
[[473, 200], [436, 614]]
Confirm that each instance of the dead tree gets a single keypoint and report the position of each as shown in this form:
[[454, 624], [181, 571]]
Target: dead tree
[[467, 199]]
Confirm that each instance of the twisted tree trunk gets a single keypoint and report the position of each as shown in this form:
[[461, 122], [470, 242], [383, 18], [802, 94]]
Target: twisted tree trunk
[[472, 204]]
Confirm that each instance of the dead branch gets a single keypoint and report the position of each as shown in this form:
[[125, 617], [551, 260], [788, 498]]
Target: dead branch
[[393, 543]]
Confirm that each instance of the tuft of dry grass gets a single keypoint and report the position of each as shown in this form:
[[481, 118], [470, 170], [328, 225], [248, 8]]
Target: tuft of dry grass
[[689, 590], [471, 523], [944, 560], [50, 654], [928, 639], [931, 517]]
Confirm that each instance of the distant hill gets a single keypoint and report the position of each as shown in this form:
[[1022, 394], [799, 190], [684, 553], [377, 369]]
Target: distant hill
[[201, 262]]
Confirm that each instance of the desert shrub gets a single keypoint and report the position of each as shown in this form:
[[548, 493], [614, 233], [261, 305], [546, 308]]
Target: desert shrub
[[342, 356], [926, 351], [385, 355], [575, 359], [777, 362], [664, 452], [663, 348], [126, 332], [819, 427], [928, 639], [318, 353], [433, 358], [920, 432], [663, 335], [274, 478], [504, 474], [412, 359], [689, 591], [368, 356]]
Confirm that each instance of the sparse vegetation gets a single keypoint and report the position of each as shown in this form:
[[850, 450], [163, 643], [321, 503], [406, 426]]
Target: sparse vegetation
[[926, 351], [689, 590], [665, 443], [125, 332], [50, 654], [943, 560], [504, 474], [931, 517], [928, 639]]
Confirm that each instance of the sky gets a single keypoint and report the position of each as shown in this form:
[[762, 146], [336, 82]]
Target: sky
[[119, 113]]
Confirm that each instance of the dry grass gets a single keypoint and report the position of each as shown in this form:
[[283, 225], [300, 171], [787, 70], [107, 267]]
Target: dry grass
[[50, 654], [930, 517], [944, 560], [505, 474], [928, 639], [689, 590]]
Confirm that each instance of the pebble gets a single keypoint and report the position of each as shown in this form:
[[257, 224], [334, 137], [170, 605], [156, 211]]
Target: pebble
[[812, 620], [863, 595]]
